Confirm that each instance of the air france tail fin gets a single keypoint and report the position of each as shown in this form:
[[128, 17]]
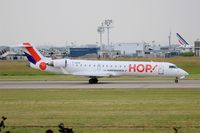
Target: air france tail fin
[[181, 41]]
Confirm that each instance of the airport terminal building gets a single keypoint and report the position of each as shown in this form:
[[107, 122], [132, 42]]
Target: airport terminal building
[[197, 48], [130, 49]]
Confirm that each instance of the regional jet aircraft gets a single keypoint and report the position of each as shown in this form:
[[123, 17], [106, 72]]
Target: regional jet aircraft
[[96, 69]]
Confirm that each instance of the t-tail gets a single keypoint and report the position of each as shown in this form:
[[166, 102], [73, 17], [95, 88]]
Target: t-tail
[[35, 58]]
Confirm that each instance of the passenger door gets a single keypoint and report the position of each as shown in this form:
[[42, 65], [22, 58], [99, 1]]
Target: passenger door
[[98, 67], [161, 69]]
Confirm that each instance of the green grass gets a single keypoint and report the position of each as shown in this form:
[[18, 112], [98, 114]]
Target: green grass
[[102, 110], [17, 70]]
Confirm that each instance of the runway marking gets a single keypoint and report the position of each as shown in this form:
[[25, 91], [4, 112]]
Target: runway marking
[[101, 84]]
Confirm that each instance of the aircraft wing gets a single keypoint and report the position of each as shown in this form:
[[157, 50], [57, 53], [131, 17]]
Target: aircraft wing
[[95, 74]]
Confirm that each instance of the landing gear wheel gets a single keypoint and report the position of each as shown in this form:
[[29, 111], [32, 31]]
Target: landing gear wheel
[[90, 81], [176, 80], [93, 81]]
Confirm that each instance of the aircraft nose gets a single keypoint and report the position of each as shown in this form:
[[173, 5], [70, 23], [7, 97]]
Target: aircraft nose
[[186, 74], [183, 72]]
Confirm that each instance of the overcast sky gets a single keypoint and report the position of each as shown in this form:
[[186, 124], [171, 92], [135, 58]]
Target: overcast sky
[[58, 21]]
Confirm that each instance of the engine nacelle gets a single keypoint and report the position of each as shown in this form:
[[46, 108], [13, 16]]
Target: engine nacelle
[[58, 63]]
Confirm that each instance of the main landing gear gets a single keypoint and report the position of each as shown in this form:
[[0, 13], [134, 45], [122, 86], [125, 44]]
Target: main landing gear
[[176, 80], [93, 80]]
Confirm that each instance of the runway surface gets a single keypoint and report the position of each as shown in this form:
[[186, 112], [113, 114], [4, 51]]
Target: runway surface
[[101, 84]]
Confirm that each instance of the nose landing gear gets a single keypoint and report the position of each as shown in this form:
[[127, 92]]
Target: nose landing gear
[[93, 80], [176, 80]]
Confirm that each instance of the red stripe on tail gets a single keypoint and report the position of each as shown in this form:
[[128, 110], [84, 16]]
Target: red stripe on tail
[[180, 42], [33, 53]]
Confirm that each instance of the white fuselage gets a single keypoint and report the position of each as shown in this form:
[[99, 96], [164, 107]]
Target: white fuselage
[[96, 68]]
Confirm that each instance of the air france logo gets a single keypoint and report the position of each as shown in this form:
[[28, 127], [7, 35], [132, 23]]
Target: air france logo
[[142, 68]]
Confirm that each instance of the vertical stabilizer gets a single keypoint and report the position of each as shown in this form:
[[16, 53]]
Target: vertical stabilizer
[[181, 41], [32, 54]]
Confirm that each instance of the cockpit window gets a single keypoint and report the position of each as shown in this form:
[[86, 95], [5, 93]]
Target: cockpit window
[[172, 66]]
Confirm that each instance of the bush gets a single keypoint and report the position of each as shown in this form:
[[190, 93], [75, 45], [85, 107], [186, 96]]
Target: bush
[[187, 54]]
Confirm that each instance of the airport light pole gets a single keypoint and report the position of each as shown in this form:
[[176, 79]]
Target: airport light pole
[[108, 25], [169, 37], [100, 30]]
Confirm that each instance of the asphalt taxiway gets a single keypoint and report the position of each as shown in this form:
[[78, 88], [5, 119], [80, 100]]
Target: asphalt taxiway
[[102, 84]]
